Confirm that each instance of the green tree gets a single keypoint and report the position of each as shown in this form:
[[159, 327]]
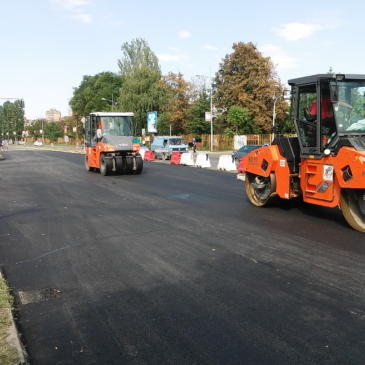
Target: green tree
[[196, 123], [34, 130], [11, 119], [140, 72], [140, 95], [87, 97], [137, 55], [163, 124], [53, 131], [240, 120], [248, 80]]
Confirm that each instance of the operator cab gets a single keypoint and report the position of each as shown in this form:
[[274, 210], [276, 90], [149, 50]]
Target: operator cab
[[328, 113], [99, 126]]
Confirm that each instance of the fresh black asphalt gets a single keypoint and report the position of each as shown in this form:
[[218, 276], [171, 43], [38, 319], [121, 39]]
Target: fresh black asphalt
[[175, 266]]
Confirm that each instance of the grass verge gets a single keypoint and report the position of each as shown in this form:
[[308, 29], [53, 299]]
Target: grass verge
[[8, 354]]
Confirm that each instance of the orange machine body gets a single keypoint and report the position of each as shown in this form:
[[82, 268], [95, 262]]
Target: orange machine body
[[93, 153], [318, 181]]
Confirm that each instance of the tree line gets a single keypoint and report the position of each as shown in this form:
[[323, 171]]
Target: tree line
[[11, 120], [242, 91]]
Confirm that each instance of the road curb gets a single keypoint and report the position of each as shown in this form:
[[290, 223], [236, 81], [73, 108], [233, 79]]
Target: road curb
[[13, 338], [80, 152]]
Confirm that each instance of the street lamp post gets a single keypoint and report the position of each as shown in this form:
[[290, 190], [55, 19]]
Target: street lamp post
[[77, 139], [275, 98], [112, 101], [211, 109]]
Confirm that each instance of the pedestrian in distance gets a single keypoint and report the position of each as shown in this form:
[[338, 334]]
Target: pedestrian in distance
[[194, 145]]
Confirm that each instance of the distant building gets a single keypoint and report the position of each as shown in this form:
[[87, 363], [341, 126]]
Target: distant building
[[53, 115]]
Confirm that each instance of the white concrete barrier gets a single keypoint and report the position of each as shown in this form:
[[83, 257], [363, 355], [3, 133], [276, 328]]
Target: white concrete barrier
[[227, 162], [241, 177], [142, 152], [202, 160], [187, 159]]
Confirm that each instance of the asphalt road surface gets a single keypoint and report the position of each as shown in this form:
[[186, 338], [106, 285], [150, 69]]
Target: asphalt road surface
[[174, 266]]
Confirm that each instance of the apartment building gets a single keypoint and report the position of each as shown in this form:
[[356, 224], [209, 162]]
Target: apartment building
[[53, 115]]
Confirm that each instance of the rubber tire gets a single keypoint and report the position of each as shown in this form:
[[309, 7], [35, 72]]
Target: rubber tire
[[155, 155], [106, 165], [351, 210], [87, 167], [139, 163], [120, 166], [255, 199], [129, 165]]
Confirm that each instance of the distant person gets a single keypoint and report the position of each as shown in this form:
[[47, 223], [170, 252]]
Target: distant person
[[194, 145]]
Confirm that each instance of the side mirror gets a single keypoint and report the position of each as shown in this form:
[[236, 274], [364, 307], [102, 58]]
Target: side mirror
[[334, 93], [99, 133], [83, 130]]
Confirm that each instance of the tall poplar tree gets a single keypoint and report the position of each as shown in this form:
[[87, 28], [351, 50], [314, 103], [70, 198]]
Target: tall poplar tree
[[140, 73]]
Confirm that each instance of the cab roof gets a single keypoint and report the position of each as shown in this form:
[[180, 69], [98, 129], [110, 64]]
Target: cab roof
[[329, 77], [112, 114]]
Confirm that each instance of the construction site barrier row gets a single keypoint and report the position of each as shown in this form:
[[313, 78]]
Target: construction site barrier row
[[227, 163], [187, 159], [175, 158], [148, 156], [202, 160]]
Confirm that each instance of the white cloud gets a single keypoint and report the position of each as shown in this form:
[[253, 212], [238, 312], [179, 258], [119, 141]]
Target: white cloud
[[76, 7], [278, 56], [168, 57], [184, 34], [211, 48], [70, 4], [85, 18], [296, 31]]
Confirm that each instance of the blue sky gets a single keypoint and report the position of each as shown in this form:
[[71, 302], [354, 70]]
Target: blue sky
[[46, 46]]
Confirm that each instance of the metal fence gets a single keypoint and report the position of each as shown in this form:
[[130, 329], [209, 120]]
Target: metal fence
[[223, 142], [227, 142]]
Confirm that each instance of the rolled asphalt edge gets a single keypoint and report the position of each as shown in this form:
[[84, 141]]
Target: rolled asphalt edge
[[13, 338]]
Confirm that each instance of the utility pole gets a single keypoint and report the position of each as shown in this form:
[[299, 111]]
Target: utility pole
[[211, 107]]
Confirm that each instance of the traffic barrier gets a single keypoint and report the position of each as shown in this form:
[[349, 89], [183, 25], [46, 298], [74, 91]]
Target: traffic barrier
[[187, 159], [175, 158], [241, 166], [142, 152], [148, 156], [202, 160], [227, 162]]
